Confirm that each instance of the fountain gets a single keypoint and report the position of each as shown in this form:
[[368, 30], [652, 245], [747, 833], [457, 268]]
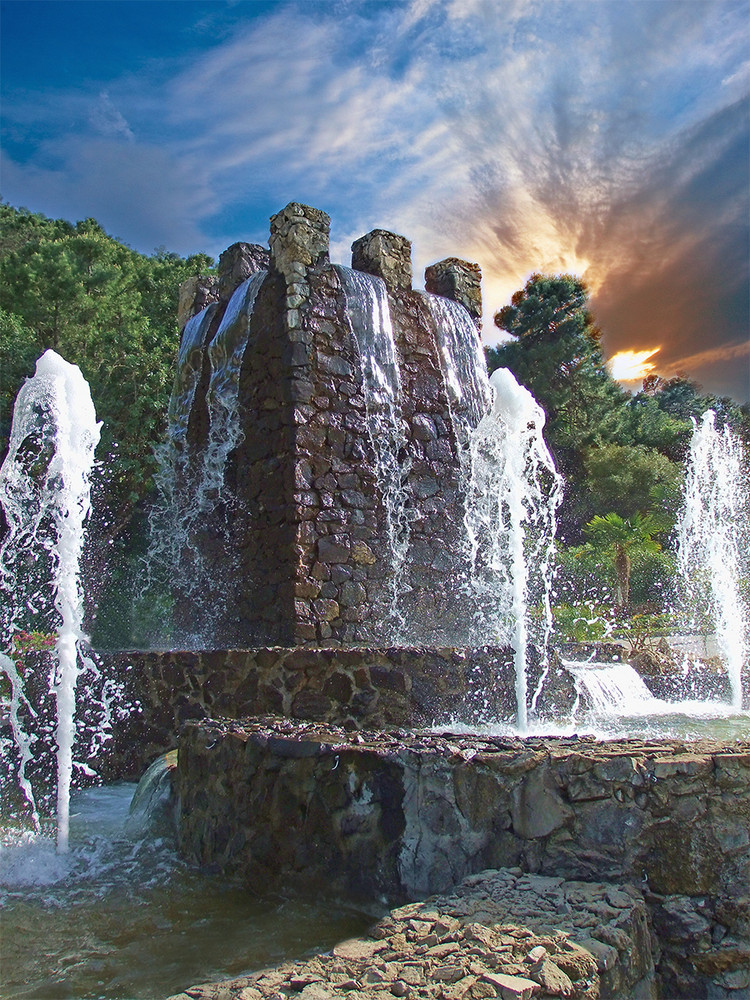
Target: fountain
[[365, 526], [713, 542], [45, 492]]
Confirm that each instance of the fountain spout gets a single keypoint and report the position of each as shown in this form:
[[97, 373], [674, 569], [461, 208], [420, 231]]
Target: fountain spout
[[713, 541], [45, 492]]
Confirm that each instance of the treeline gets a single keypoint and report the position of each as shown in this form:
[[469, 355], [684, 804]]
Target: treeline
[[622, 455], [111, 311]]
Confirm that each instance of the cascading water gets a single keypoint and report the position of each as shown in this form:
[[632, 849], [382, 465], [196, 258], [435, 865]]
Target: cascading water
[[225, 353], [192, 484], [370, 322], [713, 540], [45, 492], [464, 368], [513, 494]]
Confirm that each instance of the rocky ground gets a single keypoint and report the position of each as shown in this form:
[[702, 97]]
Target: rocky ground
[[498, 934]]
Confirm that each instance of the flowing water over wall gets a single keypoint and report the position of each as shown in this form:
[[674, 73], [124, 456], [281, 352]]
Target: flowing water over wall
[[369, 317], [713, 541], [464, 367]]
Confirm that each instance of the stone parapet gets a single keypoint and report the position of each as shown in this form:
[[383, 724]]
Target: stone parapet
[[194, 295], [356, 687], [387, 256], [497, 934], [299, 238], [237, 263], [458, 280]]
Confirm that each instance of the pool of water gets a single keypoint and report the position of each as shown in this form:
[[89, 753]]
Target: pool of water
[[121, 917]]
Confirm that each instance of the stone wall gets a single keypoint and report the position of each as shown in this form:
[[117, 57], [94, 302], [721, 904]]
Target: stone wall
[[299, 539], [405, 815], [356, 688]]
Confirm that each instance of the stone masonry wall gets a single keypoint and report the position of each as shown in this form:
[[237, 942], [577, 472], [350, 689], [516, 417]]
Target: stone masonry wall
[[405, 815], [356, 688]]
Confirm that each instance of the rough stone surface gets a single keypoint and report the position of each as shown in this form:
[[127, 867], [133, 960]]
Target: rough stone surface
[[497, 934], [357, 688], [194, 295], [386, 255], [458, 280], [236, 264], [405, 814]]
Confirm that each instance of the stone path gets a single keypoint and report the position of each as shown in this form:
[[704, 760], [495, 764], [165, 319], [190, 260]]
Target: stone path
[[498, 934]]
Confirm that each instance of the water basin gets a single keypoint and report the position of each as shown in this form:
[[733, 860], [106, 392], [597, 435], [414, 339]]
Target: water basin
[[121, 917]]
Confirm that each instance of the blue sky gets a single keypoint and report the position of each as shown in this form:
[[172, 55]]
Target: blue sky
[[604, 137]]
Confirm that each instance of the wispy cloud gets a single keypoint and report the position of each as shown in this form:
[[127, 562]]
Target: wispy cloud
[[608, 139]]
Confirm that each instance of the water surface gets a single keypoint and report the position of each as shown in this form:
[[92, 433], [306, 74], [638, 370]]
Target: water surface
[[121, 917]]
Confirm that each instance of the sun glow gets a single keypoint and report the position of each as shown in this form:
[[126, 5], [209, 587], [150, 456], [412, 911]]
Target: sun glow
[[632, 366]]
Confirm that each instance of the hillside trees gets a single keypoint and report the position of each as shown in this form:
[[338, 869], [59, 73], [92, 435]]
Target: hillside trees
[[109, 310]]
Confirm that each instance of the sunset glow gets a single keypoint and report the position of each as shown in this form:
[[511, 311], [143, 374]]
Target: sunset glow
[[632, 366]]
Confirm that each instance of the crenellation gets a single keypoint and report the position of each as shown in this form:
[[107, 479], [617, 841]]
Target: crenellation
[[460, 281], [384, 255]]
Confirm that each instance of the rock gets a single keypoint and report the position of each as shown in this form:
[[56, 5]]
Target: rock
[[512, 987]]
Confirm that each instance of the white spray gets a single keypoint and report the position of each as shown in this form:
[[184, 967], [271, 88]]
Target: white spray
[[513, 495], [713, 541], [45, 491]]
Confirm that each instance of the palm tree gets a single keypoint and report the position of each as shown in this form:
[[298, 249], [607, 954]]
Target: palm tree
[[617, 537]]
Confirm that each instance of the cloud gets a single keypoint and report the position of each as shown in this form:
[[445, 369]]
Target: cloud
[[106, 120], [607, 139]]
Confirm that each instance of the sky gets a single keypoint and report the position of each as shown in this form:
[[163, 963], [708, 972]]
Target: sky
[[606, 138]]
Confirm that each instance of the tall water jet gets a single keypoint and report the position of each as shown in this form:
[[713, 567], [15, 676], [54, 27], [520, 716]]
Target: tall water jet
[[45, 492], [713, 539], [513, 494]]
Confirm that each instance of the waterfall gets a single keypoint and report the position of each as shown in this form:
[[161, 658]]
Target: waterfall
[[369, 320], [713, 541], [613, 689], [45, 492], [189, 365], [191, 483], [225, 353], [464, 368], [512, 498]]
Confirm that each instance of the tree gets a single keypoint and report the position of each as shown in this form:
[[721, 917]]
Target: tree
[[556, 355], [108, 309], [617, 538], [622, 478]]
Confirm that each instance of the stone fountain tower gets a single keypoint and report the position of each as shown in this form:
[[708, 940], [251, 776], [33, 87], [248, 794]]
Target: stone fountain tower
[[308, 545]]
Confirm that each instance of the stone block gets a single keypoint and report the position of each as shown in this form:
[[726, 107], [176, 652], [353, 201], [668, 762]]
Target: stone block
[[457, 280], [236, 264], [299, 239], [387, 256], [194, 295]]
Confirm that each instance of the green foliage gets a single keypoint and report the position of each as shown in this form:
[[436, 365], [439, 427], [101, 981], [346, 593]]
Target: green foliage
[[109, 310], [556, 355], [581, 622], [623, 478], [617, 538]]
